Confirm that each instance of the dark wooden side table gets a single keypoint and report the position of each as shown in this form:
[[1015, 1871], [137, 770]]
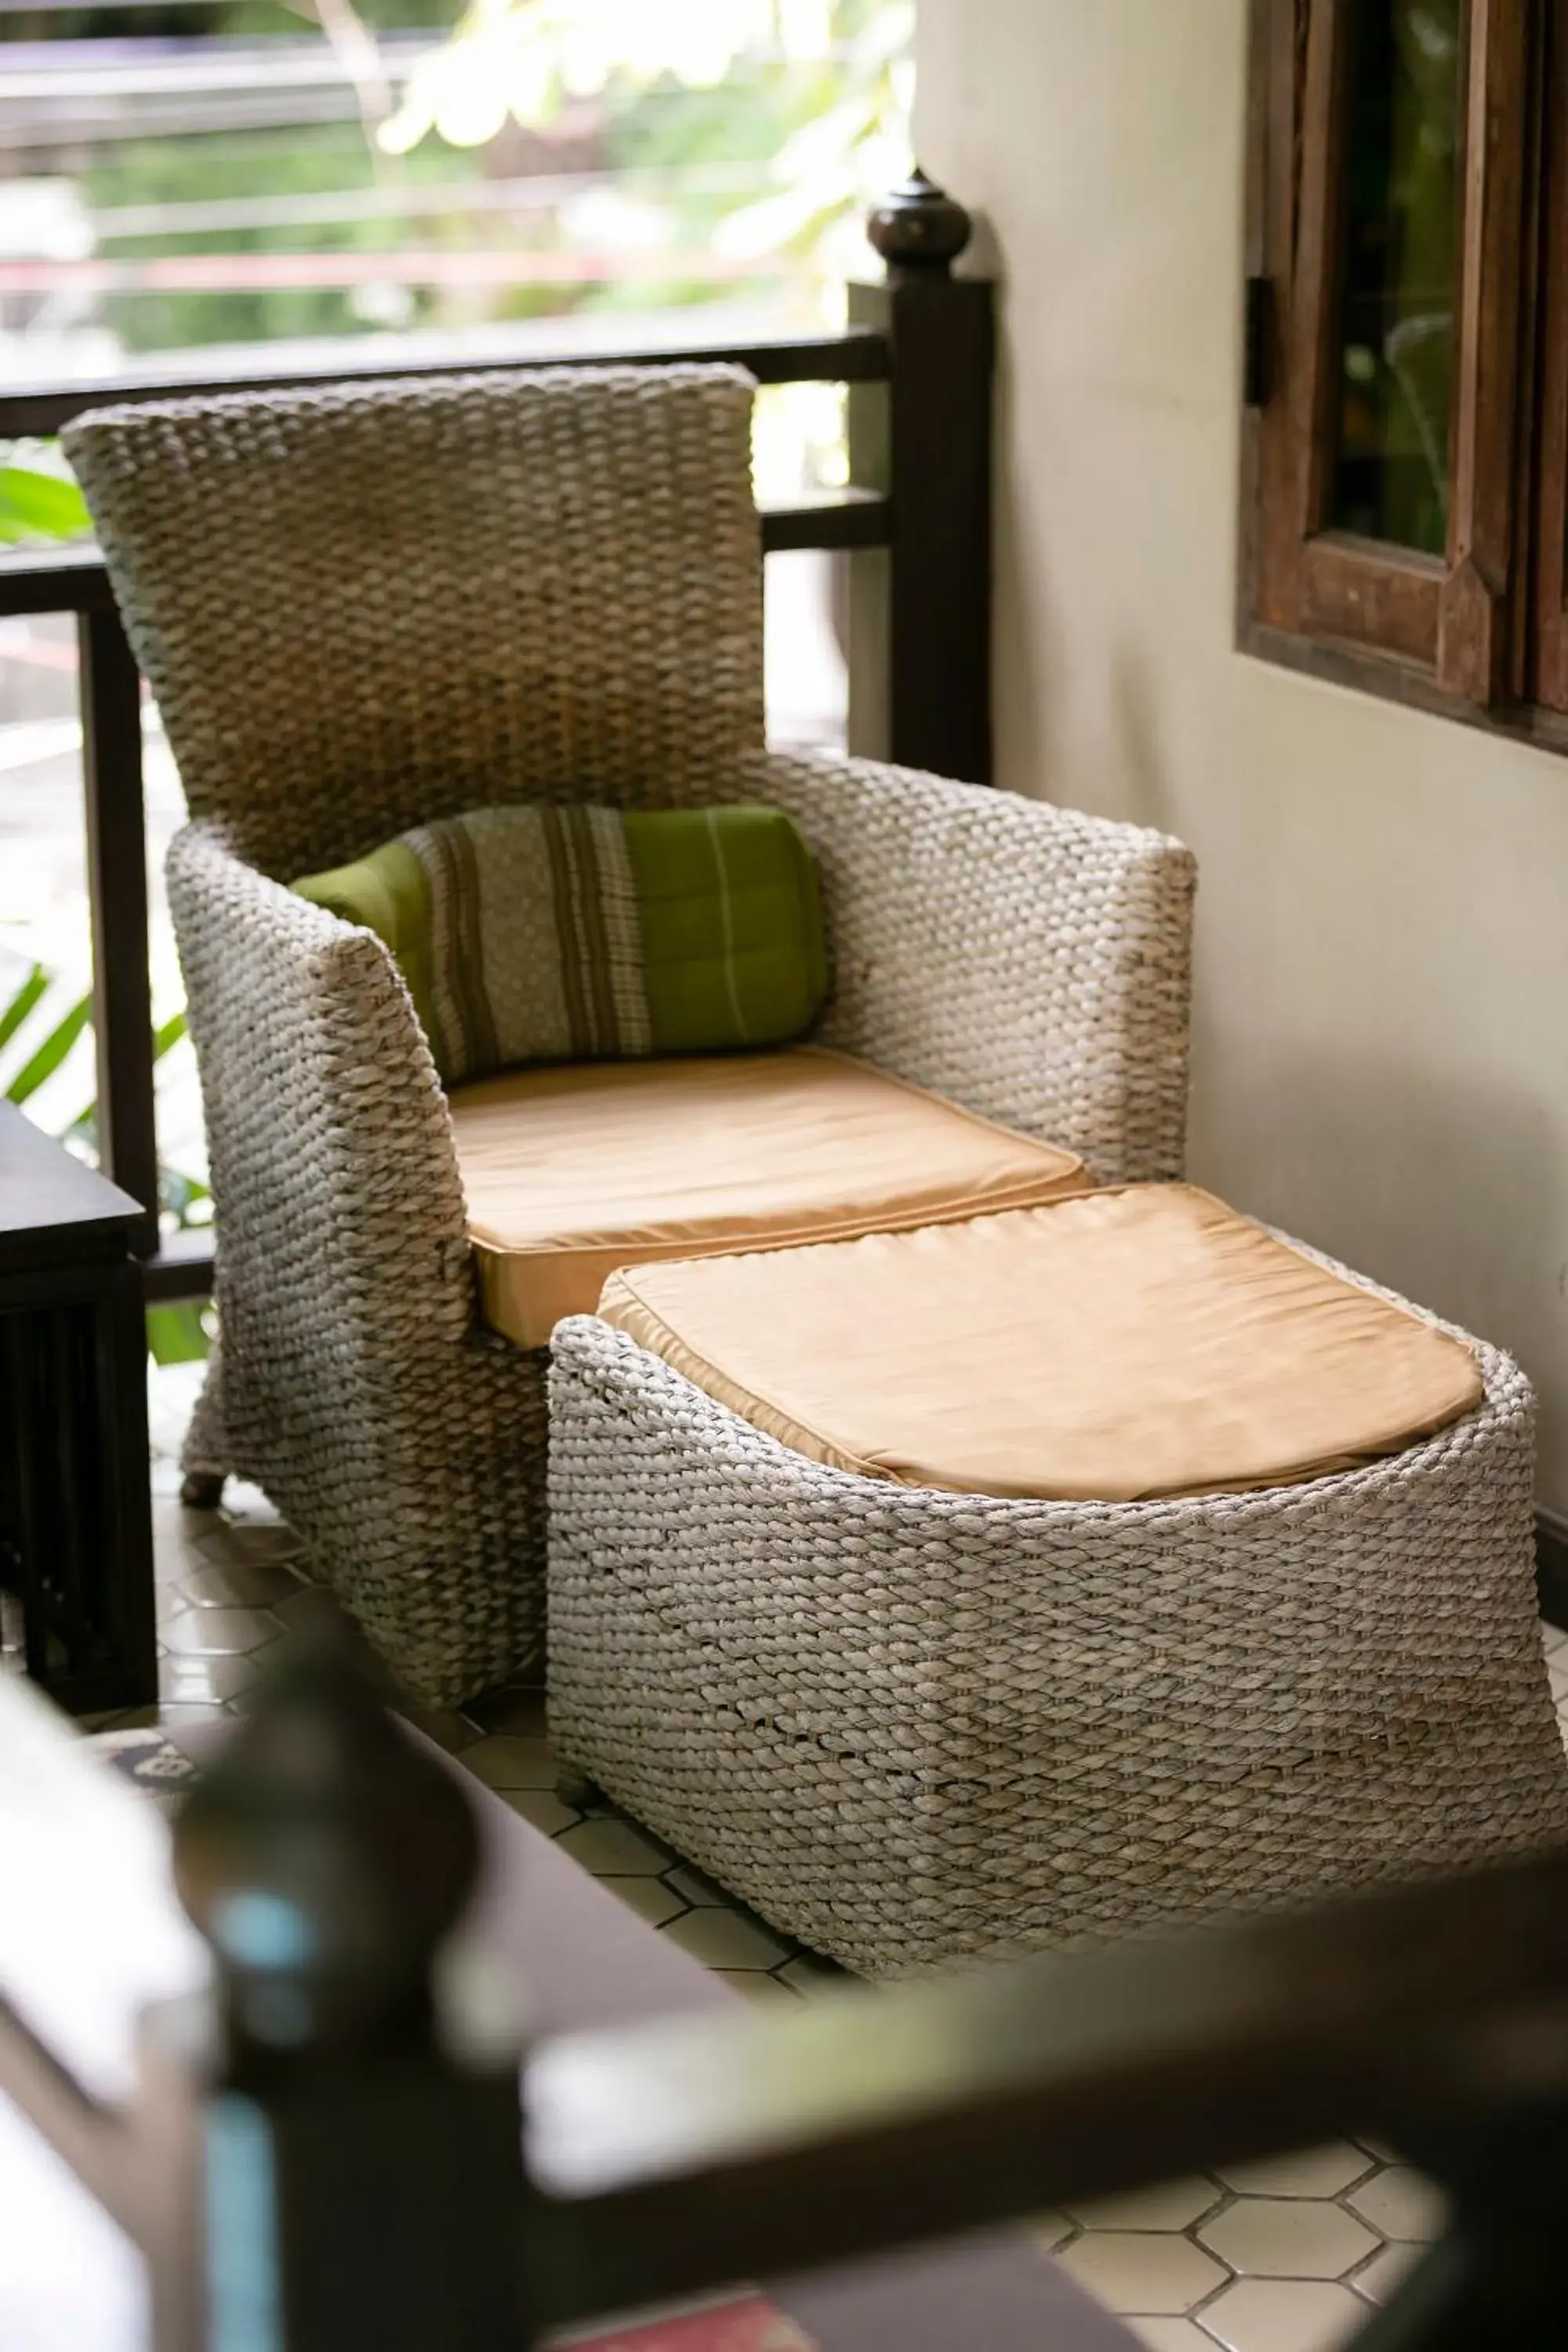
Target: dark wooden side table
[[76, 1531]]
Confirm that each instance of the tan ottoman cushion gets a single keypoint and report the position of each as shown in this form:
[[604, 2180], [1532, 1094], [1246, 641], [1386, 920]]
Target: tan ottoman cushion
[[572, 1172], [1114, 1347]]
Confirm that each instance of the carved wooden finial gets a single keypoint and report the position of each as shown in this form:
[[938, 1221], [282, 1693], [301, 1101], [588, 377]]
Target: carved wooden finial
[[324, 1858], [919, 227]]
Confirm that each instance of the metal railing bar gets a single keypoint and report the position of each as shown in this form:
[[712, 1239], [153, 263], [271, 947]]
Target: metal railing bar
[[844, 519], [73, 580], [858, 356], [54, 580], [183, 1268], [117, 900], [403, 202]]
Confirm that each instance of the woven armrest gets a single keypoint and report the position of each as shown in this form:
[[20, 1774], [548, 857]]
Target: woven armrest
[[1029, 962], [333, 1174]]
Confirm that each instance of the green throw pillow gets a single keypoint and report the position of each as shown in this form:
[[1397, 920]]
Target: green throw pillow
[[543, 934]]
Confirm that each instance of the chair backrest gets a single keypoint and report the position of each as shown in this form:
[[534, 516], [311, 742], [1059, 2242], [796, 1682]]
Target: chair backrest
[[364, 605]]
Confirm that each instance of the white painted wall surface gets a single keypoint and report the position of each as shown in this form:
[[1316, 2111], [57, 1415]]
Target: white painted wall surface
[[1381, 1039]]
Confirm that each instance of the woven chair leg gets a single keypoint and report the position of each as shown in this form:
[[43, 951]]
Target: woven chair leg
[[203, 1457]]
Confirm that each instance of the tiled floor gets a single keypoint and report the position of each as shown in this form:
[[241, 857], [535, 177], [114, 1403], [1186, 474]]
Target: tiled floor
[[1283, 2256], [225, 1590]]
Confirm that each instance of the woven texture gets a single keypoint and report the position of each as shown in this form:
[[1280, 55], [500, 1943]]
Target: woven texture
[[363, 608], [914, 1726], [1028, 961], [402, 1438]]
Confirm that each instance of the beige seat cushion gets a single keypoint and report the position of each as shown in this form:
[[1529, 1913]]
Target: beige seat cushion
[[1122, 1345], [571, 1172]]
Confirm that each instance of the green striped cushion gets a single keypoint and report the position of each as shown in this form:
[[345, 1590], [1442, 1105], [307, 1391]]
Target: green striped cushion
[[543, 934]]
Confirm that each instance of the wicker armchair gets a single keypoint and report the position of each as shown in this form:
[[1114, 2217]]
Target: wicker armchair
[[364, 605]]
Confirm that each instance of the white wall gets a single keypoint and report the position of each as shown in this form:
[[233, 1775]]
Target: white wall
[[1381, 1040]]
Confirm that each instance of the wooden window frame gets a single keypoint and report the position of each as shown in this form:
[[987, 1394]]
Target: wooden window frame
[[1479, 633]]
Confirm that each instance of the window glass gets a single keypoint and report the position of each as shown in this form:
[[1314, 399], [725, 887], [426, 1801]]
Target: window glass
[[1395, 342]]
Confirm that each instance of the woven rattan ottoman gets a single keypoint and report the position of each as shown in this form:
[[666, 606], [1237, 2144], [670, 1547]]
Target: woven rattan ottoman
[[911, 1725]]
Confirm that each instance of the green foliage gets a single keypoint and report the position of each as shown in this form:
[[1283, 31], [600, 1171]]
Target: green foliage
[[744, 121], [160, 19], [818, 90], [322, 159], [65, 1028], [184, 1201], [179, 1334], [811, 94], [39, 499], [47, 1056], [14, 1013]]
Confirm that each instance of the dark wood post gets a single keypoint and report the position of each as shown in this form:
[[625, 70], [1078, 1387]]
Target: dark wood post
[[362, 2152], [117, 891], [932, 454], [75, 1534]]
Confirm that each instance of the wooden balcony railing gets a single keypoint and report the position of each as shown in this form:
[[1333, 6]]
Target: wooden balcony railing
[[410, 2184], [918, 360]]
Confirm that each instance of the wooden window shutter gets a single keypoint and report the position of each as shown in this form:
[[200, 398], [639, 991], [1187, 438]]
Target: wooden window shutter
[[1451, 614]]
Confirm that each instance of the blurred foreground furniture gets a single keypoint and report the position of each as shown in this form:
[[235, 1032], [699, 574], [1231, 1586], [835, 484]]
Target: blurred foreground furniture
[[578, 1960], [1066, 1573], [362, 606], [75, 1536], [319, 2139]]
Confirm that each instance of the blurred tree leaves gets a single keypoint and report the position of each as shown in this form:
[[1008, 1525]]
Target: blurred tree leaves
[[39, 502]]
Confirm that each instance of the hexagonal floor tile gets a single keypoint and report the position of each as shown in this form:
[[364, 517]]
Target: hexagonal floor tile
[[1140, 2271], [504, 1760], [207, 1682], [444, 1725], [762, 1991], [1048, 2230], [1288, 2236], [1284, 2315], [1170, 2205], [238, 1584], [251, 1541], [724, 1940], [1377, 2279], [300, 1608], [1310, 2172], [1402, 2203], [516, 1707], [650, 1898], [197, 1732], [175, 1530], [613, 1848], [1170, 2334], [218, 1632], [701, 1892], [544, 1809], [811, 1974]]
